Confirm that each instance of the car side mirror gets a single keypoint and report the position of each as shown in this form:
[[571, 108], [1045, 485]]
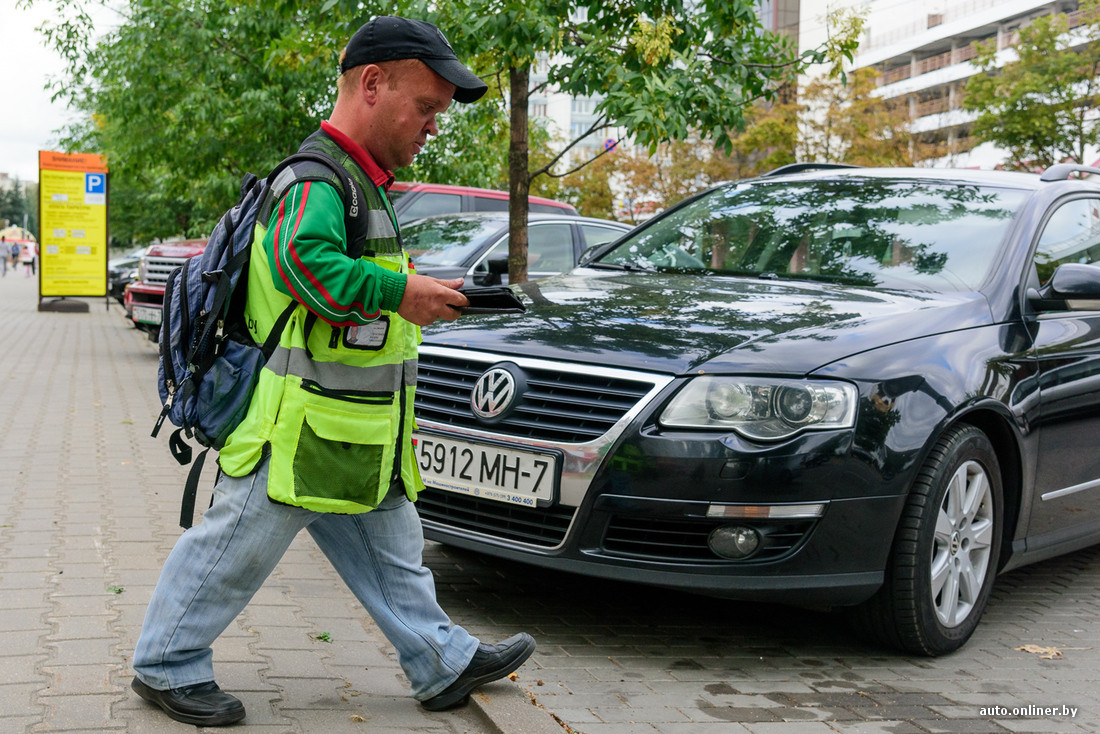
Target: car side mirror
[[497, 266], [1073, 287]]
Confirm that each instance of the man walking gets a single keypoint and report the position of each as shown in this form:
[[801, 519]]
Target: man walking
[[326, 445]]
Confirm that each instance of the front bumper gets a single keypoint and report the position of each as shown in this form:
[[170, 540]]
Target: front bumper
[[835, 562], [638, 502], [144, 303]]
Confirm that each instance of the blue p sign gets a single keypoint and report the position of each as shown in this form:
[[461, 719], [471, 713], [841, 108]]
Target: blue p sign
[[95, 183]]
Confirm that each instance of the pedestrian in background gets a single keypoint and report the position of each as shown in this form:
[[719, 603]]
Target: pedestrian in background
[[28, 259], [5, 255], [326, 445]]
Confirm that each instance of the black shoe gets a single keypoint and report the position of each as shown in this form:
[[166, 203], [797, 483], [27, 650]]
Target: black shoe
[[203, 704], [490, 662]]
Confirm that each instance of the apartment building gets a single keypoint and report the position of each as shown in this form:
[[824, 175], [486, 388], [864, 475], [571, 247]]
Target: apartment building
[[923, 52]]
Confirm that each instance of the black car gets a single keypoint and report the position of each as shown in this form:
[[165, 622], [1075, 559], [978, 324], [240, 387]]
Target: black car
[[840, 387], [475, 246], [123, 270]]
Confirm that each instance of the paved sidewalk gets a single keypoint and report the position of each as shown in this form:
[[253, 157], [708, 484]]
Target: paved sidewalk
[[89, 509]]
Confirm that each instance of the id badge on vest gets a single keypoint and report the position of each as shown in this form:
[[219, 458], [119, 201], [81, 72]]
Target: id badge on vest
[[370, 336]]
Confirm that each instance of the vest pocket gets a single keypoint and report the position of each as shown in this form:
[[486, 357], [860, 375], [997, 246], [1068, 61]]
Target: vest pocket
[[344, 455]]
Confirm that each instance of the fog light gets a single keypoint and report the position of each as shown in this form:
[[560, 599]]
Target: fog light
[[733, 541]]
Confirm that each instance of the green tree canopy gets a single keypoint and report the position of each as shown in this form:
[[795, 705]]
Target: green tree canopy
[[185, 96], [1041, 108]]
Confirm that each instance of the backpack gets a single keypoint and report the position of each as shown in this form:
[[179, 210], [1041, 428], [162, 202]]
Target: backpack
[[209, 363]]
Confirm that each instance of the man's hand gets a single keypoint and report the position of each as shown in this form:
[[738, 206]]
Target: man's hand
[[428, 299]]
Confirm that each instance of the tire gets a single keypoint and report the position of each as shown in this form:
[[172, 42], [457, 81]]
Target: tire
[[946, 550]]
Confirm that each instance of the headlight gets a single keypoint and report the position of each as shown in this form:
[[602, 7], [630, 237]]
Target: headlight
[[762, 408]]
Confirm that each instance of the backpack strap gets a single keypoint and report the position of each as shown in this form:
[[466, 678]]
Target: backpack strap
[[315, 165], [191, 490]]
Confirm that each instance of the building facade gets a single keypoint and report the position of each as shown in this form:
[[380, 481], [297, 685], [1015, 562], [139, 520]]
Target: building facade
[[924, 51]]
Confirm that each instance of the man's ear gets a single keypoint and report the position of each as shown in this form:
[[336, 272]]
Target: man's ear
[[371, 82]]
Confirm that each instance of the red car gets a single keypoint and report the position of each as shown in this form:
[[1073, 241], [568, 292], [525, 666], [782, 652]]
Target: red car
[[416, 200], [144, 298]]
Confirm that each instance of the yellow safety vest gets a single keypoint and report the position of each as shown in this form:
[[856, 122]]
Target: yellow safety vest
[[334, 406]]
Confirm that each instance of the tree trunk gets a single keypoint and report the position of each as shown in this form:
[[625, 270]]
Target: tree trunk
[[519, 178]]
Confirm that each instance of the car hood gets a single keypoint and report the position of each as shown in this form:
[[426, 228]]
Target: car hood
[[681, 323]]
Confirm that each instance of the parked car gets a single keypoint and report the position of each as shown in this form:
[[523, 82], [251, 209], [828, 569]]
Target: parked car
[[861, 388], [415, 200], [143, 299], [123, 270], [475, 246]]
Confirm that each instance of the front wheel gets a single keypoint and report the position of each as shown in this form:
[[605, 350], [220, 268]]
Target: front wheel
[[945, 554]]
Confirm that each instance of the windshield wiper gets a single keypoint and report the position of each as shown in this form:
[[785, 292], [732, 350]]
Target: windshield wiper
[[630, 267]]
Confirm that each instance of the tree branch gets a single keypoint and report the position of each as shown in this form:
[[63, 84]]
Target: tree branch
[[593, 159], [601, 122], [752, 64]]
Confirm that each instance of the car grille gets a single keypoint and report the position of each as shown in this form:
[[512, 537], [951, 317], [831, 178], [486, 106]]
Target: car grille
[[543, 526], [561, 405], [157, 268], [676, 540]]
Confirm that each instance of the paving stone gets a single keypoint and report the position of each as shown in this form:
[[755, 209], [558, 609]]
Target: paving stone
[[83, 711]]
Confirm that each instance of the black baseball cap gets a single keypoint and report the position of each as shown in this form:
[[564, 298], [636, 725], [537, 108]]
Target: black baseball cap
[[389, 38]]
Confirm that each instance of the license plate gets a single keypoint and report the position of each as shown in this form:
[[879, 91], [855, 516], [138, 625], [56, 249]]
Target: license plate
[[147, 315], [490, 472]]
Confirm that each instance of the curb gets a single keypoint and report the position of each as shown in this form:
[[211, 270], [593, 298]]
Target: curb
[[507, 709]]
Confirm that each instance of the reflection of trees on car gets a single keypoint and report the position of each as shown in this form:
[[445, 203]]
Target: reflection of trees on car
[[637, 327], [898, 234], [445, 240]]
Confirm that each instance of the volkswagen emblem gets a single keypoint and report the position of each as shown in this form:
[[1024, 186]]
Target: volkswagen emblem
[[493, 393]]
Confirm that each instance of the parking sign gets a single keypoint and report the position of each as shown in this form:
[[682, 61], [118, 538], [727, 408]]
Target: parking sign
[[95, 189], [73, 225]]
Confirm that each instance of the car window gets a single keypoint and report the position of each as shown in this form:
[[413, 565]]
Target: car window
[[889, 233], [549, 248], [488, 204], [596, 234], [429, 204], [1071, 235], [447, 241]]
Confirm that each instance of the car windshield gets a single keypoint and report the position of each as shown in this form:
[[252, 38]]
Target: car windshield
[[923, 235], [447, 241]]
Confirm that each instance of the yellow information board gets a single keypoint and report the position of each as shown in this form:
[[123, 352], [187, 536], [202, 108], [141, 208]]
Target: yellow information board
[[73, 224]]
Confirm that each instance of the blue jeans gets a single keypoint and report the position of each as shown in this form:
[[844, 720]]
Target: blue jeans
[[217, 566]]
